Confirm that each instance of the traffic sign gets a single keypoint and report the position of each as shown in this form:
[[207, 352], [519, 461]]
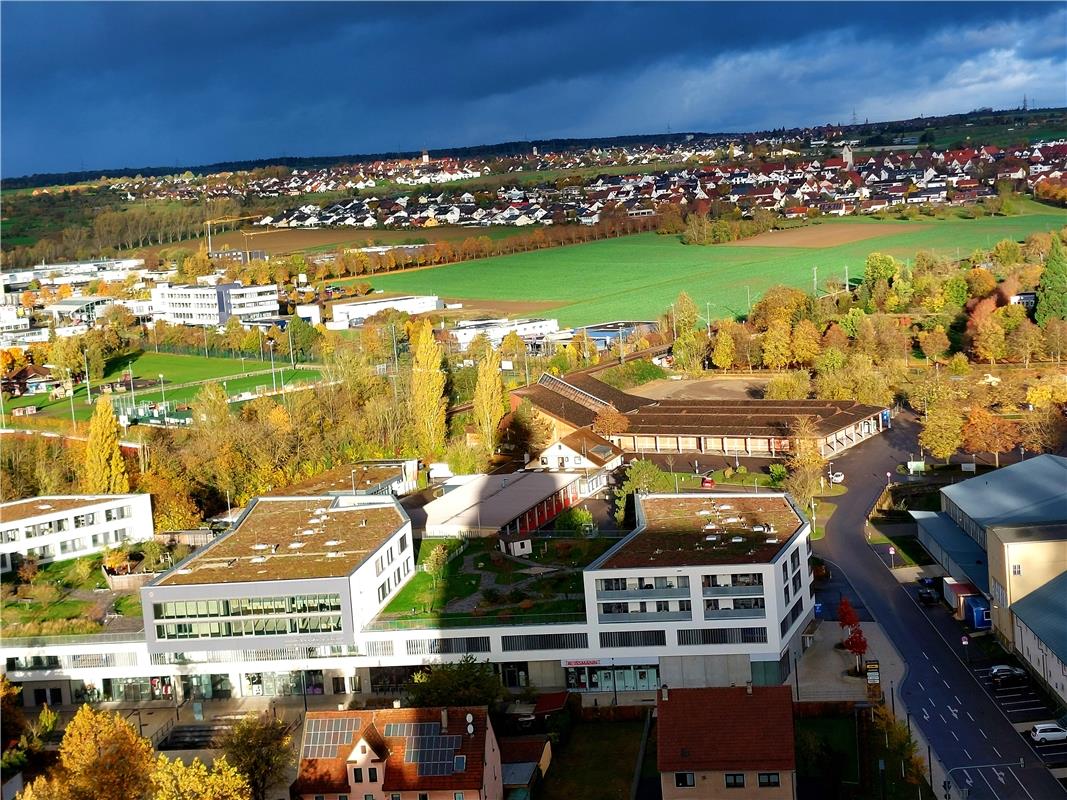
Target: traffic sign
[[892, 551], [964, 640]]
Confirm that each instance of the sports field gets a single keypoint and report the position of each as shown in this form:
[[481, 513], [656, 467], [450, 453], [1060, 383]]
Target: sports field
[[637, 277]]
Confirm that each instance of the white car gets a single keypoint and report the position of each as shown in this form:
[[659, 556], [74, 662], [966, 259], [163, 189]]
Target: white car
[[1048, 732], [837, 477]]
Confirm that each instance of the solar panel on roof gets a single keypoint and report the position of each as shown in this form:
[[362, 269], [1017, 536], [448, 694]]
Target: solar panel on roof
[[322, 737]]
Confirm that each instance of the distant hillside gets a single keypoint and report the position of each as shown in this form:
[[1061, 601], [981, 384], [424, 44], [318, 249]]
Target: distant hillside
[[944, 129]]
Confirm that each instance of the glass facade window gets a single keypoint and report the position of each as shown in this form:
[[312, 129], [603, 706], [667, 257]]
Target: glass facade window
[[266, 626], [123, 690], [254, 606], [637, 678], [206, 687], [283, 684]]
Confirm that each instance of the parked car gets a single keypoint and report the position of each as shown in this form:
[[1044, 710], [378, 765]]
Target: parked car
[[928, 596], [1048, 732], [837, 477], [1001, 671], [928, 580]]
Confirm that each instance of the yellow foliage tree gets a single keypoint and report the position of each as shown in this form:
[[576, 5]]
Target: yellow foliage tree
[[173, 780], [427, 391], [103, 758], [105, 468]]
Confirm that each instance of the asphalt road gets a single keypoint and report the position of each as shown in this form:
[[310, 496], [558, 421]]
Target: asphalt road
[[963, 725]]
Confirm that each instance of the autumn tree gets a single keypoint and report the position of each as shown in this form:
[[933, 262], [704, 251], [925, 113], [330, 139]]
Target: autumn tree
[[101, 756], [436, 563], [805, 462], [806, 343], [105, 469], [722, 356], [685, 313], [942, 431], [856, 643], [260, 749], [879, 267], [788, 386], [688, 351], [428, 401], [847, 618], [488, 403], [211, 408], [989, 341], [1026, 342], [610, 421], [776, 345], [173, 780], [1052, 290], [934, 344], [1043, 430], [986, 432]]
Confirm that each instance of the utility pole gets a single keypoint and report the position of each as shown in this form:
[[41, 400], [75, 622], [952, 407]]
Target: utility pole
[[848, 286], [815, 282], [707, 319], [748, 289]]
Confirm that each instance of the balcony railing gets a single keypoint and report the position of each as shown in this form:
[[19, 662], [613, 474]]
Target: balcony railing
[[733, 591], [736, 613], [15, 642], [650, 593], [470, 621], [645, 616]]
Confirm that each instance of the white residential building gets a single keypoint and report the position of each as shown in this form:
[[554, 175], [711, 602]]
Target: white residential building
[[709, 590], [352, 312], [496, 329], [56, 528], [213, 305]]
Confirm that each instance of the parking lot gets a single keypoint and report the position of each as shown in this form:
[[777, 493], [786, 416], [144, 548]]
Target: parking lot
[[1054, 754], [1023, 703]]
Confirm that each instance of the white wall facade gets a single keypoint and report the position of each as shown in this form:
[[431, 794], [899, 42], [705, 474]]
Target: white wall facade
[[57, 535], [355, 312], [213, 305], [1042, 660]]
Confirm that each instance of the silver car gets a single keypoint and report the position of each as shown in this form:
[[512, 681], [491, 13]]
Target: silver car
[[1048, 732]]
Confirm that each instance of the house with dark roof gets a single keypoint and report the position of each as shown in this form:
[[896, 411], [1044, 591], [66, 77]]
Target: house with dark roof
[[399, 754], [726, 742]]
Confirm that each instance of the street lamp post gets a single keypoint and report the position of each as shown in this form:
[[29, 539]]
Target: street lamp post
[[88, 388], [353, 482]]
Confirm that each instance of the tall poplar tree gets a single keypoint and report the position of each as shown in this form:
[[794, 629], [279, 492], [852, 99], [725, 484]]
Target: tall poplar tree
[[428, 402], [488, 399], [1052, 290], [105, 468]]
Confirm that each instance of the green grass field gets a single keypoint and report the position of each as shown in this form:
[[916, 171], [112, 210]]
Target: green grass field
[[176, 370], [637, 277]]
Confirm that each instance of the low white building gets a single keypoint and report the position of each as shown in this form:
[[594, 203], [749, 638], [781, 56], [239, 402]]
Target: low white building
[[1040, 633], [350, 313], [56, 528], [213, 305], [14, 318], [496, 329]]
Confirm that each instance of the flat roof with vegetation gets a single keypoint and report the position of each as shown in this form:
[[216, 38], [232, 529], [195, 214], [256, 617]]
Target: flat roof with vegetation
[[364, 476], [683, 530], [293, 538], [18, 510]]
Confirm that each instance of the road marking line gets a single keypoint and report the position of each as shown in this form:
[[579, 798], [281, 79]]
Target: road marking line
[[987, 783], [966, 754], [954, 736], [936, 670], [943, 718], [1012, 771], [997, 752], [925, 656], [946, 683], [958, 701], [980, 730], [921, 687], [970, 717]]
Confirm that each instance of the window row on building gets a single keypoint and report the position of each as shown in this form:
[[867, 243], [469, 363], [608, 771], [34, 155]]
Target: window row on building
[[249, 606], [270, 626]]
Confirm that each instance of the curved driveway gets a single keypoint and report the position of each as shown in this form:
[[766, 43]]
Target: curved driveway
[[957, 717]]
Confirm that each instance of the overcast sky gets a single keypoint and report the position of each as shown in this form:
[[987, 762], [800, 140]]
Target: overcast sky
[[108, 85]]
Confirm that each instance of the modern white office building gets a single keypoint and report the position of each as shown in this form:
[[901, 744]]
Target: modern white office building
[[56, 528], [213, 305], [709, 590], [350, 313], [467, 331]]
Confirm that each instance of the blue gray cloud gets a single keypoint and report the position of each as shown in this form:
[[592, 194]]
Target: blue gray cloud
[[99, 85]]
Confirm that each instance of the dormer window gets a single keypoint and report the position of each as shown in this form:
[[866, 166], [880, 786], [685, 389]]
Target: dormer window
[[363, 749]]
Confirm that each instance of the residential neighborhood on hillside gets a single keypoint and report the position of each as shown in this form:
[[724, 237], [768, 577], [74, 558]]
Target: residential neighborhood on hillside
[[488, 401]]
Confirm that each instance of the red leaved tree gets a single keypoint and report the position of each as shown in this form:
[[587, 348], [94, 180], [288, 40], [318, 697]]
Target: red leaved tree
[[856, 643], [847, 617]]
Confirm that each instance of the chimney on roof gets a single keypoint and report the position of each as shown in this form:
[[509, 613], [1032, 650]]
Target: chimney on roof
[[748, 687], [444, 720], [666, 693]]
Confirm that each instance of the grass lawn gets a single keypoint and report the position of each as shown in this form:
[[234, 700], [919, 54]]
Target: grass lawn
[[61, 409], [597, 763], [742, 479], [424, 594], [23, 611], [909, 552], [128, 605], [569, 552], [636, 277]]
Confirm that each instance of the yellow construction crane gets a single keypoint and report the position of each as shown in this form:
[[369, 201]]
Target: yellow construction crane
[[208, 223], [249, 234]]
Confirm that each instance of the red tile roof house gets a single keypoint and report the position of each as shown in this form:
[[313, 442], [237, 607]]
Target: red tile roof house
[[399, 754], [728, 742]]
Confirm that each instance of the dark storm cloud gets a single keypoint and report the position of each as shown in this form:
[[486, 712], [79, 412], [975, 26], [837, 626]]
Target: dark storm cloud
[[115, 84]]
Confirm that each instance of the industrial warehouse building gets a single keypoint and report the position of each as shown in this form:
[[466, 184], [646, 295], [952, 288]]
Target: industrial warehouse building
[[745, 427]]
